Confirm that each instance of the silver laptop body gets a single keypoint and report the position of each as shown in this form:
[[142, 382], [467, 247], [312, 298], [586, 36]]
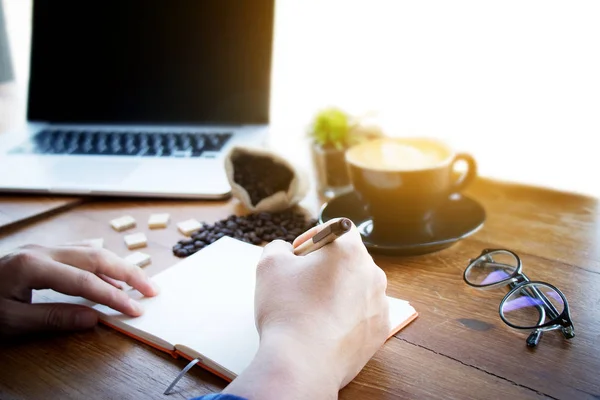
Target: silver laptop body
[[140, 98]]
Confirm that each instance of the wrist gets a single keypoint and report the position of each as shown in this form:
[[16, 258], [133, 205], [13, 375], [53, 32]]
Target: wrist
[[285, 368]]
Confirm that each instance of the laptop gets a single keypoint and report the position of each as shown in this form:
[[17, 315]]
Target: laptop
[[141, 97]]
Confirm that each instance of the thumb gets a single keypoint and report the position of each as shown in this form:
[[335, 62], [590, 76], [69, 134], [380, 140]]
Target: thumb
[[20, 318]]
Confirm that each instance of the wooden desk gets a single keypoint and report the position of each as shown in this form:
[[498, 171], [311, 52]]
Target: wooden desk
[[15, 209], [457, 348]]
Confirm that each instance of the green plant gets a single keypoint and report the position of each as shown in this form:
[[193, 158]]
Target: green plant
[[331, 128]]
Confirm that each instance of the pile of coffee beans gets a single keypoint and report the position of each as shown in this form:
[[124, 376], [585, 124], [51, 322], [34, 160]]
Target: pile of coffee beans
[[260, 176], [254, 228]]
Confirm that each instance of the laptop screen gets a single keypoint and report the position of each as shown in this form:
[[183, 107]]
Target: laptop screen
[[151, 61]]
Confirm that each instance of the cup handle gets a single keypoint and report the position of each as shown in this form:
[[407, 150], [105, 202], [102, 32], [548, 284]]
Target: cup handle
[[467, 177]]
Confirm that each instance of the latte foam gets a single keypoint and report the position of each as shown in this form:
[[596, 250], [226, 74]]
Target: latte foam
[[398, 154]]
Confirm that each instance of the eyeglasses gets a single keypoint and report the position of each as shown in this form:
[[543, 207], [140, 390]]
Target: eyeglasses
[[529, 304]]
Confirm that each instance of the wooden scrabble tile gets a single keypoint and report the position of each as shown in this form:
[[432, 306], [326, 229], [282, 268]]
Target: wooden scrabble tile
[[136, 240], [138, 258], [123, 223], [158, 221], [188, 227]]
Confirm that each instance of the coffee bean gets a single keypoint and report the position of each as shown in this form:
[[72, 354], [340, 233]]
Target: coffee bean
[[182, 253], [255, 228], [202, 235]]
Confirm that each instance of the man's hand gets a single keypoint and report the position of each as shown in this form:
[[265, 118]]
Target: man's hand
[[73, 270], [320, 317]]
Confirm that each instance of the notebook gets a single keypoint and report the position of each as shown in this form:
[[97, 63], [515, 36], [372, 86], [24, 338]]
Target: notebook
[[205, 309]]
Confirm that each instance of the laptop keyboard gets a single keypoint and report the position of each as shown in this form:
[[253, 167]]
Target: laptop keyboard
[[144, 144]]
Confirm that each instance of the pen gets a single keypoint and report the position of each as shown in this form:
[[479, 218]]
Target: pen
[[327, 235]]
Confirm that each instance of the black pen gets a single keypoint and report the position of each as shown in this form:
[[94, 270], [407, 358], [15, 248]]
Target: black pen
[[327, 235]]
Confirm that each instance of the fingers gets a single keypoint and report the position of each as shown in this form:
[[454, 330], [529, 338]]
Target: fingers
[[307, 235], [277, 247], [48, 273], [111, 281], [312, 232], [19, 318], [274, 255], [351, 241], [316, 229], [101, 261]]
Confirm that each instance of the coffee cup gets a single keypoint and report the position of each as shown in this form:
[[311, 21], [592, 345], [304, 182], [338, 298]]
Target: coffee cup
[[403, 181]]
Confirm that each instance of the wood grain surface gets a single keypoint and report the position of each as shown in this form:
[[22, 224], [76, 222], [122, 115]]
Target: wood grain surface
[[457, 348], [15, 209]]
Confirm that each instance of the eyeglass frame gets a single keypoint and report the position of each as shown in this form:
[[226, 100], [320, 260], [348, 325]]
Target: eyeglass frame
[[517, 281]]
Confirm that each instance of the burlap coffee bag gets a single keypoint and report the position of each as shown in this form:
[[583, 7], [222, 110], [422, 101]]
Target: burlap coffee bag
[[264, 181]]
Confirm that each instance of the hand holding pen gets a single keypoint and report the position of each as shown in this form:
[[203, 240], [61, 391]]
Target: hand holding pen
[[313, 308], [319, 236]]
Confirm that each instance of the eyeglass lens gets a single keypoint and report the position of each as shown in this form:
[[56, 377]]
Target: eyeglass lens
[[492, 268], [532, 305]]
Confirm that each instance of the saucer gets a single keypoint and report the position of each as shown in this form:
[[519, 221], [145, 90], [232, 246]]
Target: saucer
[[456, 219]]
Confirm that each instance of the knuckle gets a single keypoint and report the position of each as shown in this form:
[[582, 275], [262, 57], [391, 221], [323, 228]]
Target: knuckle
[[133, 273], [54, 318], [96, 258], [266, 263], [19, 262], [24, 256], [84, 279], [269, 262], [114, 298]]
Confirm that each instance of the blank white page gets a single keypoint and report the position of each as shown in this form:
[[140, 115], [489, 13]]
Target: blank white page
[[401, 313], [206, 303]]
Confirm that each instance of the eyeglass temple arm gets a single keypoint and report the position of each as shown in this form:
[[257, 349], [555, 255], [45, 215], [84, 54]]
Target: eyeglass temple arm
[[552, 311], [534, 337]]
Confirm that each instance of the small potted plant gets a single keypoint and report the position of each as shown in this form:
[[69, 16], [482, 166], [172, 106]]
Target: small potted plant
[[332, 132]]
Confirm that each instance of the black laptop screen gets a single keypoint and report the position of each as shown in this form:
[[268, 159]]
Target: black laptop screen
[[151, 61]]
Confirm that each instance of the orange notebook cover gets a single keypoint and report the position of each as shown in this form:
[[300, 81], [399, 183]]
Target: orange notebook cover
[[205, 309]]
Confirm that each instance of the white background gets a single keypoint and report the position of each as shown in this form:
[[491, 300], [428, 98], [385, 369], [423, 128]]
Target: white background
[[515, 83]]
